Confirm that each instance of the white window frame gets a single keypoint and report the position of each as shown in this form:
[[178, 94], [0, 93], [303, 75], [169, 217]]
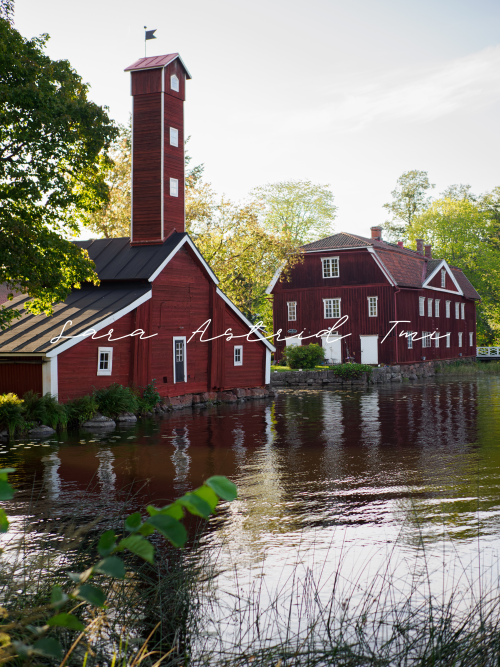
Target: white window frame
[[174, 83], [183, 338], [443, 278], [410, 340], [471, 338], [330, 265], [238, 349], [437, 303], [462, 311], [460, 337], [457, 310], [174, 187], [327, 305], [421, 305], [429, 307], [448, 339], [292, 311], [109, 370], [448, 309], [426, 339], [371, 300], [437, 339], [174, 136]]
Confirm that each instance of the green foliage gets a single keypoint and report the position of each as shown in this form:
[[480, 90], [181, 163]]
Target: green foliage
[[11, 412], [81, 409], [53, 146], [409, 200], [304, 356], [150, 397], [115, 399], [45, 409], [348, 371], [166, 521]]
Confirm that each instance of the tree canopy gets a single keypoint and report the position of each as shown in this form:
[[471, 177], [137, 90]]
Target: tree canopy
[[53, 157], [409, 199]]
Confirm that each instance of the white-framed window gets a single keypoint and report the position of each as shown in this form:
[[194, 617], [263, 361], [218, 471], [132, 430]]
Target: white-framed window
[[104, 361], [331, 308], [410, 340], [448, 309], [238, 355], [330, 267], [421, 305], [471, 338], [437, 338], [372, 306], [174, 187], [443, 278], [448, 339], [460, 336], [457, 310], [436, 307], [292, 310], [174, 83], [429, 307], [462, 308], [174, 136], [426, 338]]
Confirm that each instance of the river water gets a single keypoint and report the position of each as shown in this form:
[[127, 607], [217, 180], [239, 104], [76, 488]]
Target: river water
[[394, 479]]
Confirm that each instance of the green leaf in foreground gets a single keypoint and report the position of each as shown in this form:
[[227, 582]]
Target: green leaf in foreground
[[6, 491], [4, 522], [66, 621], [107, 543], [170, 528], [48, 648], [139, 546], [195, 505], [205, 493], [133, 522], [113, 566], [90, 594], [57, 596], [222, 487], [4, 472], [172, 510]]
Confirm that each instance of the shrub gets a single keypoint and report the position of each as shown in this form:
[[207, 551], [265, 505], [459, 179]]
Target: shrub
[[11, 412], [45, 409], [347, 371], [81, 409], [116, 398], [305, 356], [150, 397]]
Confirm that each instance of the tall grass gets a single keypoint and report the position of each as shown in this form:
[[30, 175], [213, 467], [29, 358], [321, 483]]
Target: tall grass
[[474, 368]]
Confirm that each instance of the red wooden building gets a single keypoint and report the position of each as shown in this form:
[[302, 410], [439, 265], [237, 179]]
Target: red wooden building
[[156, 282], [375, 284]]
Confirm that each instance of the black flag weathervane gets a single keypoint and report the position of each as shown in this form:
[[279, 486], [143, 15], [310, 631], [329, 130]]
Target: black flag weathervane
[[150, 34]]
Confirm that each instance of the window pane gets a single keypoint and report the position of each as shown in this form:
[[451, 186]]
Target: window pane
[[174, 137]]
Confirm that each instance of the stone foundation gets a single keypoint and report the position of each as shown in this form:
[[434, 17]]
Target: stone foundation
[[206, 399], [327, 379]]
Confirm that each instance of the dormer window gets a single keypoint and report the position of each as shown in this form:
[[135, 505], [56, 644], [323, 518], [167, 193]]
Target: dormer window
[[174, 83], [443, 278], [330, 267], [174, 136]]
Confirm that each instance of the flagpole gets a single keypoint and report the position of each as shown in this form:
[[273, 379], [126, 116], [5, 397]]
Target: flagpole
[[145, 41]]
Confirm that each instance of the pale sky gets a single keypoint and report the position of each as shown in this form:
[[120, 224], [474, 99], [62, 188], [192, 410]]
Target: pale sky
[[346, 93]]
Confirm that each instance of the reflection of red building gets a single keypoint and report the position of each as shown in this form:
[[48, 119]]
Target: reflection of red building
[[376, 283], [155, 281]]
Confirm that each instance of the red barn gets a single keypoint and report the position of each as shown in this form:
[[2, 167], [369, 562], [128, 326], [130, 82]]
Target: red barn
[[156, 288], [375, 284]]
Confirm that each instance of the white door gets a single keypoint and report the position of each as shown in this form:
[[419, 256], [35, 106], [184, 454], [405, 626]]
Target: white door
[[369, 349], [293, 341], [333, 348]]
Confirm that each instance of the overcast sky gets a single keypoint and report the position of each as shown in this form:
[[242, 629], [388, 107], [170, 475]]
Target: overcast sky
[[346, 93]]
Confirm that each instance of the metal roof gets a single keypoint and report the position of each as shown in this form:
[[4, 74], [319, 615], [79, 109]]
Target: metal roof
[[155, 62], [88, 307]]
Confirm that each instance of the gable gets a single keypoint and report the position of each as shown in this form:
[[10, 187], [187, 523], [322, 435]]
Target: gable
[[433, 278]]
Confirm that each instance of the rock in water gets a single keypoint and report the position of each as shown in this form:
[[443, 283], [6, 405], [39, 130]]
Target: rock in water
[[41, 431]]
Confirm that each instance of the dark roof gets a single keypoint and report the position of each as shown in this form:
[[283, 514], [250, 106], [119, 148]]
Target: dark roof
[[154, 62], [407, 267], [116, 259], [85, 307]]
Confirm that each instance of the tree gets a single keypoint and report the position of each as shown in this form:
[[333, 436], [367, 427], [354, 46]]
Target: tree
[[7, 10], [53, 144], [300, 209], [409, 201], [464, 232]]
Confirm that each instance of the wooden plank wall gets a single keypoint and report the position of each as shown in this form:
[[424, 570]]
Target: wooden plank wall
[[173, 165], [251, 373], [19, 378]]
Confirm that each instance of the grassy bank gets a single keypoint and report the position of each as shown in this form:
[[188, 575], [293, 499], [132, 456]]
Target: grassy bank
[[474, 368]]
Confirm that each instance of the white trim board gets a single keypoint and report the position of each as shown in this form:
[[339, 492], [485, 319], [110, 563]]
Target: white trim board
[[100, 325], [381, 266], [187, 239], [442, 264], [275, 279], [249, 324]]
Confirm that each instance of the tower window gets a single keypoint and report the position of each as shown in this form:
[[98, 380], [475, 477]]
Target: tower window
[[174, 187], [174, 83], [174, 136]]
